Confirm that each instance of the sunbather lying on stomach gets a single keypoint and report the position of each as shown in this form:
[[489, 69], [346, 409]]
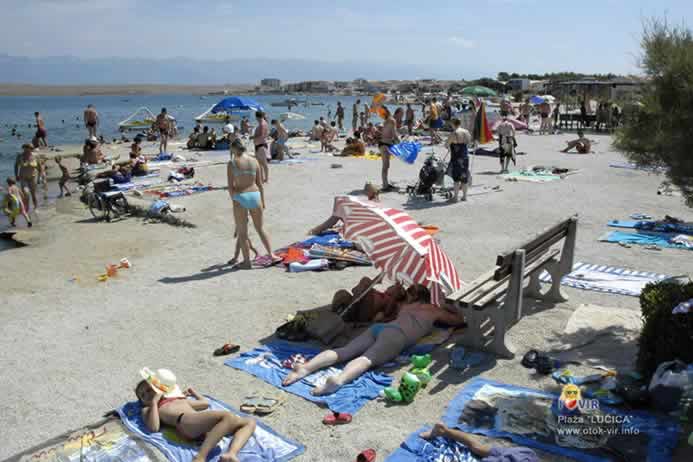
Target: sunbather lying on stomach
[[190, 418], [380, 344]]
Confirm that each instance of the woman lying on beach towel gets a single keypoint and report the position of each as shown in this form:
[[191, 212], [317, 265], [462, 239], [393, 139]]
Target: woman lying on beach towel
[[163, 403], [380, 344]]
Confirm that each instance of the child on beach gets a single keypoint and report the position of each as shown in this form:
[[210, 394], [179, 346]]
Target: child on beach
[[13, 204], [485, 452], [164, 403], [64, 178]]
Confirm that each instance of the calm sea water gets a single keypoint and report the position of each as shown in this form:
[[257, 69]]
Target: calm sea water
[[63, 115]]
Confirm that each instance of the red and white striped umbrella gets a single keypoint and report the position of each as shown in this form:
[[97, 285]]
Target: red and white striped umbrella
[[397, 245]]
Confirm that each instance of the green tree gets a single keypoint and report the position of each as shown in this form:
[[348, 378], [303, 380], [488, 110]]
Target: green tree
[[503, 76], [659, 131]]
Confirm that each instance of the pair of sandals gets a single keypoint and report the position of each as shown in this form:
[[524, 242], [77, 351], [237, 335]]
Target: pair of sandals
[[260, 405]]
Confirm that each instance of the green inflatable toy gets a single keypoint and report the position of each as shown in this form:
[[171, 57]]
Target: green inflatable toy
[[409, 386], [420, 369]]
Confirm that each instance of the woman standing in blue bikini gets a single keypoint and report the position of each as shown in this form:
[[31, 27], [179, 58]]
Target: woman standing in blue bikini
[[247, 192]]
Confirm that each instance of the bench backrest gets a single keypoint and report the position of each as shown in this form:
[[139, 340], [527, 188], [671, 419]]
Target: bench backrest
[[534, 248]]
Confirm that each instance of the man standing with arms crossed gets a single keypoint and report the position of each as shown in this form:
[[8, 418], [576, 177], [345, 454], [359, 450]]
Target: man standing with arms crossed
[[91, 120]]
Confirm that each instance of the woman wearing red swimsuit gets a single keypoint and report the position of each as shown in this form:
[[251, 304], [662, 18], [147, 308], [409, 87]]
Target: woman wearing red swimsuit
[[163, 403]]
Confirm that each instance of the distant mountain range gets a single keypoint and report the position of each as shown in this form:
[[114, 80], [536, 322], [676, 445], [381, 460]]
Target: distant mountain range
[[67, 70]]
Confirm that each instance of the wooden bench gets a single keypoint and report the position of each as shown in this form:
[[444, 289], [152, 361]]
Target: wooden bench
[[492, 303]]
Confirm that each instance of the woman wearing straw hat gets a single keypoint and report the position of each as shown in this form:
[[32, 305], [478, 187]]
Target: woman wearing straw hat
[[247, 191], [163, 402]]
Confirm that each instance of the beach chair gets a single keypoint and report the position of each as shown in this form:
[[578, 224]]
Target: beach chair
[[492, 303]]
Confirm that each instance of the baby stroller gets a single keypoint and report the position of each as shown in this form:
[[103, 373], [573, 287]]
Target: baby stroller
[[430, 181]]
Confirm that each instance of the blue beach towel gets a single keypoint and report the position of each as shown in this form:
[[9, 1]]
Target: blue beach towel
[[608, 279], [416, 449], [265, 363], [328, 239], [656, 226], [406, 151], [657, 436], [264, 446], [645, 238]]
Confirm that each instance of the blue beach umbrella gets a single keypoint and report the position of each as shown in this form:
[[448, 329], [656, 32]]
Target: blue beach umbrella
[[537, 100], [237, 103]]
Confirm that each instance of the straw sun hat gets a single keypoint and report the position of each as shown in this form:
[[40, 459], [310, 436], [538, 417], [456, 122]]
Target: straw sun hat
[[162, 380]]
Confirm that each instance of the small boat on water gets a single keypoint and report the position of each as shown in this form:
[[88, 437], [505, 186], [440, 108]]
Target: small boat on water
[[318, 103], [139, 121], [287, 103]]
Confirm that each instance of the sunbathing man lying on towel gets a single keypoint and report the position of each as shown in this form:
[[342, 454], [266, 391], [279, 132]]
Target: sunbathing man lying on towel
[[163, 403], [372, 193], [374, 306], [380, 344]]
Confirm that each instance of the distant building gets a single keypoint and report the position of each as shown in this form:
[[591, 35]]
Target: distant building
[[271, 83], [519, 84], [360, 82], [602, 90], [317, 86]]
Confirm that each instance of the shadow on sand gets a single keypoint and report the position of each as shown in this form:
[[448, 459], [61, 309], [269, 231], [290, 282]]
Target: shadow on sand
[[205, 273]]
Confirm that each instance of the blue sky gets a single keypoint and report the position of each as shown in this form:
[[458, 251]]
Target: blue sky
[[454, 39]]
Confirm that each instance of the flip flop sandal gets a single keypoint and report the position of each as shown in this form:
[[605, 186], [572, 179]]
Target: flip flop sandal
[[337, 418], [529, 360], [250, 404], [227, 349], [268, 406], [266, 261], [366, 456]]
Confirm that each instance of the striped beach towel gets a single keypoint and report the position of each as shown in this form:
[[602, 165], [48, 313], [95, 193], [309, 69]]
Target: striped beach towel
[[608, 279]]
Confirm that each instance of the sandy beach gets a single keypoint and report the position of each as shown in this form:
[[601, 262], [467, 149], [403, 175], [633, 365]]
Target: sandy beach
[[73, 346]]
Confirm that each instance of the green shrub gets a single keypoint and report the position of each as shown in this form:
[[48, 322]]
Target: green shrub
[[665, 336]]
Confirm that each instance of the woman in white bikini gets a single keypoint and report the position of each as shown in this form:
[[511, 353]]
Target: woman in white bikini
[[381, 343], [247, 191]]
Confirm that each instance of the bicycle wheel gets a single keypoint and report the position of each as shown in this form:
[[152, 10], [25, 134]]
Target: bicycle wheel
[[96, 206]]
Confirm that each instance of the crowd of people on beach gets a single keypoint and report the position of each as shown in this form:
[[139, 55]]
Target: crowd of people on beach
[[399, 317]]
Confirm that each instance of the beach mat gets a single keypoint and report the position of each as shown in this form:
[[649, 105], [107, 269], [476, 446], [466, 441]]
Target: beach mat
[[647, 238], [106, 440], [654, 226], [265, 363], [632, 166], [608, 279], [529, 418], [265, 445], [530, 177], [416, 449]]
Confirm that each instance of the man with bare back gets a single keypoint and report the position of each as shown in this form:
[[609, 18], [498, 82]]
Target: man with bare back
[[91, 120]]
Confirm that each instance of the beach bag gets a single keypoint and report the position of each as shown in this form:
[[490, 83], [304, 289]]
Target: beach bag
[[326, 326]]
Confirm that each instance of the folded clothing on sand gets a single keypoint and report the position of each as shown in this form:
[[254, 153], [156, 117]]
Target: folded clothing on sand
[[265, 363], [265, 445]]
